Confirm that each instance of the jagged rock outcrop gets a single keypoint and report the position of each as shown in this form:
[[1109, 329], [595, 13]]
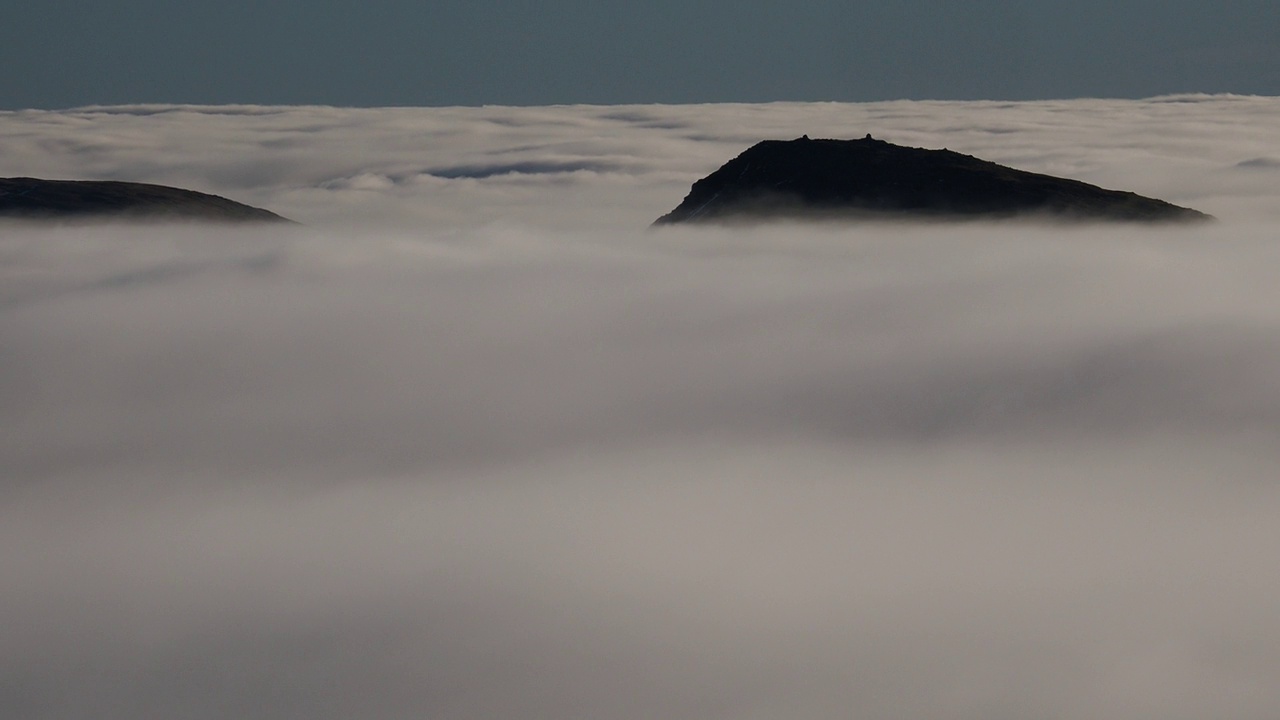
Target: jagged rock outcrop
[[27, 198], [871, 179]]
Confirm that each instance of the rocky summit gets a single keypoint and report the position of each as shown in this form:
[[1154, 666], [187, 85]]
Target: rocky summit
[[871, 179], [25, 198]]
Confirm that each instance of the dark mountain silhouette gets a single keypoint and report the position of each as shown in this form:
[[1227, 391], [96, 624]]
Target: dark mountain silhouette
[[872, 179], [34, 199]]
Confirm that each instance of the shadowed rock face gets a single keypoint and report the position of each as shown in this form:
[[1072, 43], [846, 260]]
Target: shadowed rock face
[[871, 179], [34, 199]]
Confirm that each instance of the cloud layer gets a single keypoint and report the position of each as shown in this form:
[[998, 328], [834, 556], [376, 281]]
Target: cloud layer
[[473, 443], [588, 167]]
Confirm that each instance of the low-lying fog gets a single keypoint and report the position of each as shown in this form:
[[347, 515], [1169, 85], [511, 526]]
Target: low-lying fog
[[473, 443]]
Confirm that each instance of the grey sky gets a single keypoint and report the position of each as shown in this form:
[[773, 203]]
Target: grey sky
[[60, 53]]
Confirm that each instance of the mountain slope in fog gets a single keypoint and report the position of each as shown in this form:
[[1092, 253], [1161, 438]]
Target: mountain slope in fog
[[874, 179], [35, 199]]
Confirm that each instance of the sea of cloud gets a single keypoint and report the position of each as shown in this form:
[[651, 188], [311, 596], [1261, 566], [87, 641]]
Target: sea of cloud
[[472, 442]]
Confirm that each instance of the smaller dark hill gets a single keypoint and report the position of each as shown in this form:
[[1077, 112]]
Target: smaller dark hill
[[34, 199], [872, 179]]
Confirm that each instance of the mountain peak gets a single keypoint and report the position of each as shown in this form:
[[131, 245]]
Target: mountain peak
[[871, 179]]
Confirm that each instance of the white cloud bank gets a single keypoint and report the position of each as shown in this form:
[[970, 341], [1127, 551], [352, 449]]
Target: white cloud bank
[[622, 166], [473, 444]]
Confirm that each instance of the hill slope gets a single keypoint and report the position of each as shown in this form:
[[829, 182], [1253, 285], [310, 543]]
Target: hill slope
[[34, 199], [874, 179]]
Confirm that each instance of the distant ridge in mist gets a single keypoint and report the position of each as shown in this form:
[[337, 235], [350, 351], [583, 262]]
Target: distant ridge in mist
[[871, 179], [35, 199]]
